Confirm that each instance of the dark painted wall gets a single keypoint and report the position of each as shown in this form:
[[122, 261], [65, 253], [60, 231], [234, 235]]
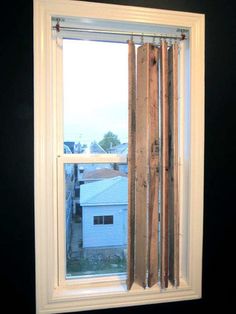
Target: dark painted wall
[[16, 152]]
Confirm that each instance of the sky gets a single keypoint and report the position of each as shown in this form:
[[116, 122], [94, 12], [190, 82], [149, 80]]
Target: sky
[[95, 79]]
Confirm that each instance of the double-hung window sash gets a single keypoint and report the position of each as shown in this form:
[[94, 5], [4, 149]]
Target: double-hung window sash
[[153, 233]]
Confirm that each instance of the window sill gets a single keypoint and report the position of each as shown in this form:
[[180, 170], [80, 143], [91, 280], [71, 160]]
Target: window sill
[[101, 296]]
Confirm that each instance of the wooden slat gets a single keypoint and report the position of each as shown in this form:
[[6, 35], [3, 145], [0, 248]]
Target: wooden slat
[[153, 170], [131, 161], [164, 165], [141, 200], [173, 167]]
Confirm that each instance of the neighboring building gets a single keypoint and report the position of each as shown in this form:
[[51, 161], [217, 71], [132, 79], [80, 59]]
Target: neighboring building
[[92, 176], [119, 149], [123, 150], [79, 148], [104, 212], [93, 148], [69, 170], [71, 146], [101, 174], [69, 209], [69, 195]]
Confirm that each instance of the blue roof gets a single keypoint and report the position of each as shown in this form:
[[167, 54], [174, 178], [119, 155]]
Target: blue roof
[[119, 149], [105, 192], [94, 148]]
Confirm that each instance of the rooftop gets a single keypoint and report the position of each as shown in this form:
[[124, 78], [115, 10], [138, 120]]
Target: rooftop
[[119, 149], [101, 174], [94, 148], [105, 192]]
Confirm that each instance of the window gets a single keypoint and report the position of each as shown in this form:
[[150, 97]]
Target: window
[[98, 220], [62, 190], [108, 220], [95, 123], [103, 220]]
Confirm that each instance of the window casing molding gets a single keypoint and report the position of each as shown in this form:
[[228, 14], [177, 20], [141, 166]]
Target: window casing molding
[[53, 292]]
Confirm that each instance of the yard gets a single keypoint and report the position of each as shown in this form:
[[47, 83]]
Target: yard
[[96, 266], [93, 261]]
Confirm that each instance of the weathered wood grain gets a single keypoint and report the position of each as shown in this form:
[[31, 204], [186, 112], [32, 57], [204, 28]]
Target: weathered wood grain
[[164, 164], [142, 163], [173, 202], [152, 86], [131, 161]]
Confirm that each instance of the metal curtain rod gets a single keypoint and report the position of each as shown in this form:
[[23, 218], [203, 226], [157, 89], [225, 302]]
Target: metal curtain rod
[[58, 28]]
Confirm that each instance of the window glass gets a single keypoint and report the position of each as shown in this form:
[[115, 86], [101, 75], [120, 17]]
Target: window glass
[[96, 203], [95, 82], [98, 220], [108, 220]]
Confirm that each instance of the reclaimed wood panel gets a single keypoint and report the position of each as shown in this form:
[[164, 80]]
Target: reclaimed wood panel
[[153, 143], [131, 160], [164, 164], [141, 199], [173, 201]]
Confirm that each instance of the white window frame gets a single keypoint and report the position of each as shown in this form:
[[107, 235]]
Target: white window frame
[[55, 294]]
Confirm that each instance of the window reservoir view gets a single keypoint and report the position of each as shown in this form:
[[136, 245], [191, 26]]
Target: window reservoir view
[[95, 78]]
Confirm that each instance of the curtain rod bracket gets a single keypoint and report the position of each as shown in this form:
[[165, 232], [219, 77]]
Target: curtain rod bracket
[[58, 28]]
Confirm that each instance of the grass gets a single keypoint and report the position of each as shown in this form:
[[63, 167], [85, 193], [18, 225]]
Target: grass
[[96, 266]]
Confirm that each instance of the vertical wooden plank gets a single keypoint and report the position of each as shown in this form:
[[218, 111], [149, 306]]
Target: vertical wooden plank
[[173, 167], [164, 165], [141, 200], [131, 161], [153, 170]]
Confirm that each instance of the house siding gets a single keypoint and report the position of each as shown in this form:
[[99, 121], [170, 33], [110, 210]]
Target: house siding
[[105, 235]]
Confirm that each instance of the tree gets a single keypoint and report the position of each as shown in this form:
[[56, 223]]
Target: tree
[[109, 140]]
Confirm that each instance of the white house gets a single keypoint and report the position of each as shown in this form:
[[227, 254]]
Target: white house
[[104, 212]]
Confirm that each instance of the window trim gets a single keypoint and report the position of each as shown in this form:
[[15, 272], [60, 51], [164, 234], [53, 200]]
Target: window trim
[[52, 294]]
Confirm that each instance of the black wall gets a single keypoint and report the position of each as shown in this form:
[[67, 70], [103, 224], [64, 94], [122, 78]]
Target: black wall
[[16, 152]]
